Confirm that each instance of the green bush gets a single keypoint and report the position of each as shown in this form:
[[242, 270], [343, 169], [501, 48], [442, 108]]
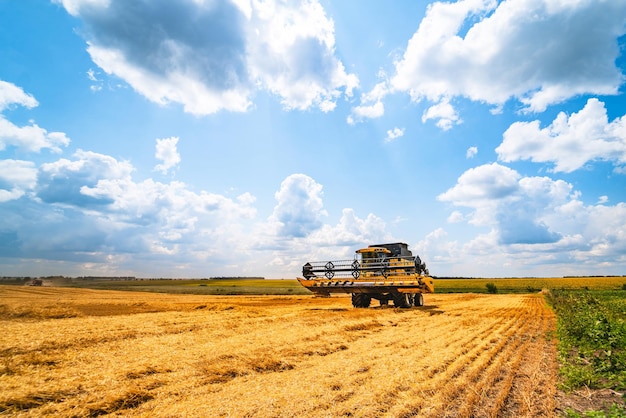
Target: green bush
[[491, 288]]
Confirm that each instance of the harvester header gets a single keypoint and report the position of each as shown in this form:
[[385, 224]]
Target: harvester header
[[382, 271]]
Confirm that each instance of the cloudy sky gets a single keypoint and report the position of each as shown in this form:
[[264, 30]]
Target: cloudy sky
[[200, 138]]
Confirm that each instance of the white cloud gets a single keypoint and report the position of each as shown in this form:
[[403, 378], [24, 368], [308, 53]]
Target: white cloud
[[89, 212], [394, 133], [30, 138], [371, 103], [89, 209], [16, 177], [505, 54], [62, 181], [10, 94], [437, 250], [325, 242], [91, 75], [97, 83], [291, 52], [455, 217], [167, 152], [483, 185], [569, 141], [212, 56], [370, 111], [444, 113], [74, 7], [180, 85], [300, 206], [532, 222], [351, 230], [471, 152], [90, 165], [504, 200]]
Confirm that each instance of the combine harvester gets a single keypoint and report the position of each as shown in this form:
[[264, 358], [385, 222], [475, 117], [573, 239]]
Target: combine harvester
[[384, 272]]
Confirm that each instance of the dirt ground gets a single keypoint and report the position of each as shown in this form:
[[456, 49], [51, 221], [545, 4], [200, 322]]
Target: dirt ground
[[78, 352]]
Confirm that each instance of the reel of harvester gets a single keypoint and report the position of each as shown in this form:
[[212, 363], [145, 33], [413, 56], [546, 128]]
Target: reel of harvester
[[384, 272], [371, 267]]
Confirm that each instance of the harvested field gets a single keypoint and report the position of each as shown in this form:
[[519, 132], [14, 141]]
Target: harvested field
[[79, 352]]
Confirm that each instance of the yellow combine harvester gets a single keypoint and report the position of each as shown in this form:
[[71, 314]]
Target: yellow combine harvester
[[384, 272]]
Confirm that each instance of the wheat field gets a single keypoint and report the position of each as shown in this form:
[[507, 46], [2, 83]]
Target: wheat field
[[86, 353]]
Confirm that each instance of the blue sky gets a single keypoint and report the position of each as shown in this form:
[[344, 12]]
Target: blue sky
[[200, 138]]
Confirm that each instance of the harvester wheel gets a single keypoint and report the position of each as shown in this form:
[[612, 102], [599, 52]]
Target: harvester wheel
[[403, 300], [361, 300], [418, 299]]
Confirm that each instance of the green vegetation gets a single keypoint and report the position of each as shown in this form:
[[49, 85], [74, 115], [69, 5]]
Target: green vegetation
[[615, 411], [221, 286], [260, 286], [491, 288], [592, 342], [527, 284], [592, 334]]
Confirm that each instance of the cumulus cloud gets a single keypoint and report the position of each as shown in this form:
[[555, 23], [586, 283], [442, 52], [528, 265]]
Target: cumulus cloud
[[291, 53], [371, 106], [325, 242], [89, 209], [167, 152], [90, 216], [300, 206], [62, 181], [532, 221], [455, 217], [16, 177], [511, 204], [212, 56], [10, 95], [359, 113], [569, 141], [490, 51], [351, 230], [471, 152], [30, 138], [394, 133], [444, 114]]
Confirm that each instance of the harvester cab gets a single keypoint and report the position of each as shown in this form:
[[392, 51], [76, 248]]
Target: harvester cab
[[383, 271]]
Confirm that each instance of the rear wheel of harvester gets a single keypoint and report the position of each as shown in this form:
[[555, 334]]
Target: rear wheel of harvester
[[418, 299], [361, 300], [403, 300]]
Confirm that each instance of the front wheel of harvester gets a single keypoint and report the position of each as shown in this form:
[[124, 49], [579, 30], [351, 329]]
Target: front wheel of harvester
[[361, 300], [418, 299], [402, 300]]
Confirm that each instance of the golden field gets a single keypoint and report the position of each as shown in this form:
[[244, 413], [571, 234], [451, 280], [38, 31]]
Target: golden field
[[87, 353]]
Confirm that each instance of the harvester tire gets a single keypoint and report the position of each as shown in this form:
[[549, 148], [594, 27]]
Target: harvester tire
[[418, 299], [361, 300], [403, 300]]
